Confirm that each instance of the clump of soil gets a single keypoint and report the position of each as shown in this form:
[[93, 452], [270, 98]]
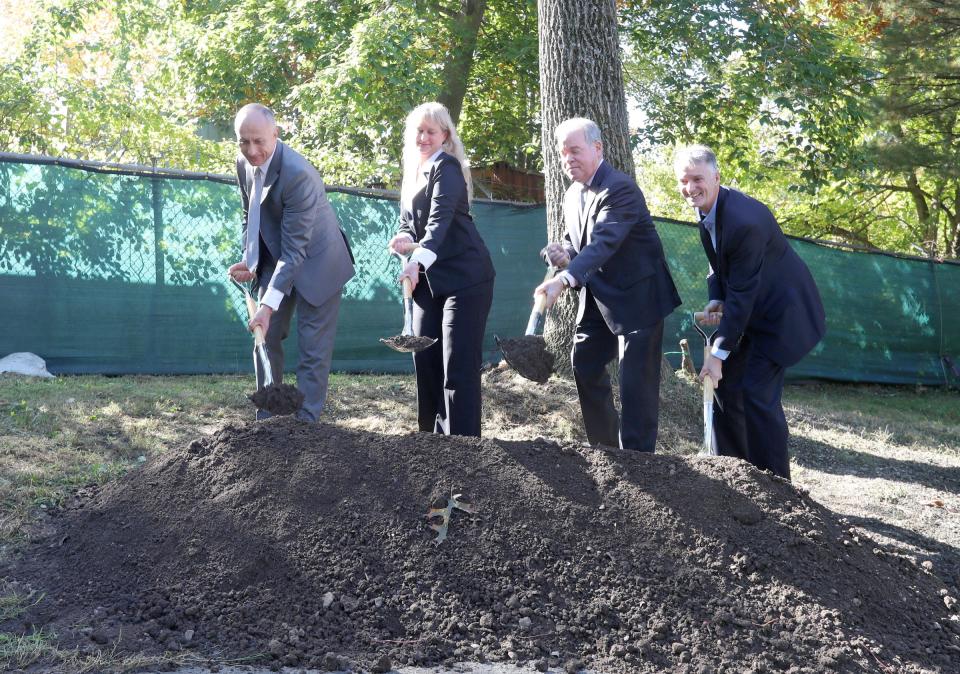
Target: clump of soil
[[528, 355], [278, 399], [408, 343], [309, 545]]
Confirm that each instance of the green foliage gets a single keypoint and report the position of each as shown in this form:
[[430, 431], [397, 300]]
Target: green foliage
[[343, 76], [96, 79], [501, 115], [844, 120], [766, 83], [916, 145]]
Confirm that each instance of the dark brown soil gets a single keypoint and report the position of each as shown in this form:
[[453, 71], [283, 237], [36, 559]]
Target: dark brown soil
[[528, 356], [309, 545], [278, 399], [408, 343]]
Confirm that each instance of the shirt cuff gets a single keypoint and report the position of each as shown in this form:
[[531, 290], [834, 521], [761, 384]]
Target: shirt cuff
[[716, 351], [571, 279], [424, 257], [272, 298]]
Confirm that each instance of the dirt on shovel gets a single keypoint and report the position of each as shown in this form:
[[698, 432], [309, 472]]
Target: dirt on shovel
[[408, 343], [278, 399], [528, 356]]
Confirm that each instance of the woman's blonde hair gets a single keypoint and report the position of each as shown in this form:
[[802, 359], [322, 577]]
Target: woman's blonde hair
[[439, 115]]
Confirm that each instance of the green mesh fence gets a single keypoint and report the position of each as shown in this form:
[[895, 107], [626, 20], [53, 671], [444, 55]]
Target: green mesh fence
[[122, 270]]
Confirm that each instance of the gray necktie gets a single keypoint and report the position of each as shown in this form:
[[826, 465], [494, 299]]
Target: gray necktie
[[711, 229], [252, 250]]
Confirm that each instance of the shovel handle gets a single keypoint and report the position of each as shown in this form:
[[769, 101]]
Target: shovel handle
[[535, 324], [251, 310], [537, 316], [700, 316]]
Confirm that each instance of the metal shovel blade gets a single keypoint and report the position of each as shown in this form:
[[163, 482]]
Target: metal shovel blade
[[408, 343], [528, 356], [709, 438]]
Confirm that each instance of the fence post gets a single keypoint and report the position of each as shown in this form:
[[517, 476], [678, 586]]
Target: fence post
[[157, 189]]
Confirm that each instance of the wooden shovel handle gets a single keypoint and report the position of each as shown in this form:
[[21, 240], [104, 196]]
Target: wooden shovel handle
[[251, 311], [708, 389]]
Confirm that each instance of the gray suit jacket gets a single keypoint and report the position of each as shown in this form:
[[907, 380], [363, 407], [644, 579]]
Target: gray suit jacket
[[299, 228]]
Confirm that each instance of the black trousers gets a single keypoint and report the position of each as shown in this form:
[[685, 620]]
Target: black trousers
[[639, 353], [752, 424], [448, 373]]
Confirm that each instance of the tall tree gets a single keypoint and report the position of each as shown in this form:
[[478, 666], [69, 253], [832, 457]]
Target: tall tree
[[580, 76], [917, 148]]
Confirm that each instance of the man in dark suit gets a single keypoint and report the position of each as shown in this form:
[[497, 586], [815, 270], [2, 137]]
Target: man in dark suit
[[294, 251], [612, 255], [767, 307]]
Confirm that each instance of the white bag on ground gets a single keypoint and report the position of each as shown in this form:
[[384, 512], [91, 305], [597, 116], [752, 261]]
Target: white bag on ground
[[26, 363]]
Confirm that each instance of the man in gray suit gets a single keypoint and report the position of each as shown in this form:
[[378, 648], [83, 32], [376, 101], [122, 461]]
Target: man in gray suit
[[294, 251]]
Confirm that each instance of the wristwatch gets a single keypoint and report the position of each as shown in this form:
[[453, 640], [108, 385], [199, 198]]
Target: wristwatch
[[564, 280]]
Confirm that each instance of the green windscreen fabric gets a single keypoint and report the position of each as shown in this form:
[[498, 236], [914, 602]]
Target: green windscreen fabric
[[112, 271]]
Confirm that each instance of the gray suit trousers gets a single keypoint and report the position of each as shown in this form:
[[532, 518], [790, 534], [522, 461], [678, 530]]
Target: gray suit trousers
[[316, 330]]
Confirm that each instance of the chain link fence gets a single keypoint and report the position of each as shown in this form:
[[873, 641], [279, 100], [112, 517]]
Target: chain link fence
[[122, 269]]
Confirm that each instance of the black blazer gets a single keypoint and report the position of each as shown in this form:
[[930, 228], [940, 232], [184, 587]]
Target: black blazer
[[623, 265], [441, 222], [766, 289]]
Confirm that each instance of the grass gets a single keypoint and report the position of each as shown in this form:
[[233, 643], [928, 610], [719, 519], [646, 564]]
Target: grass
[[888, 458]]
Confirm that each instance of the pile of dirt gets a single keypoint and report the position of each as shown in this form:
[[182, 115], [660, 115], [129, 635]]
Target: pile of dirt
[[309, 544]]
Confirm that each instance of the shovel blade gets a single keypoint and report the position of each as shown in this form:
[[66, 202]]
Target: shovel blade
[[408, 343], [709, 437], [528, 356]]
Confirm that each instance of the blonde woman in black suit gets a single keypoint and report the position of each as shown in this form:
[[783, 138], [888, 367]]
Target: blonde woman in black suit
[[450, 269]]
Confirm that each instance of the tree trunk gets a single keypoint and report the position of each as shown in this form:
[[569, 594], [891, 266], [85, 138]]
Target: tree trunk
[[465, 25], [580, 76]]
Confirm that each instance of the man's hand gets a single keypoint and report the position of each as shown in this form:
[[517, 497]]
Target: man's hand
[[713, 312], [401, 244], [551, 289], [712, 368], [240, 273], [557, 256], [411, 270], [262, 319]]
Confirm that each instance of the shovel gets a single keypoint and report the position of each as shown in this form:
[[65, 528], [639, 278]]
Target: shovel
[[272, 398], [406, 341], [528, 355], [709, 391]]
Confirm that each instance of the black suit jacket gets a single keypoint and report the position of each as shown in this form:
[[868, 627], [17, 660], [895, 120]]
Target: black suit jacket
[[440, 221], [623, 265], [766, 289]]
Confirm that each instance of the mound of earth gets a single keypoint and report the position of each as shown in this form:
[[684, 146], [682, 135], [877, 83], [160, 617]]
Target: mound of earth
[[309, 545]]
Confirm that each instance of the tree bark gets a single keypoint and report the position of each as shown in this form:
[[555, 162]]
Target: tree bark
[[465, 26], [580, 76]]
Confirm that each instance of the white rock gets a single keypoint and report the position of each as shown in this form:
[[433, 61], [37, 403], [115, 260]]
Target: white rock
[[26, 363]]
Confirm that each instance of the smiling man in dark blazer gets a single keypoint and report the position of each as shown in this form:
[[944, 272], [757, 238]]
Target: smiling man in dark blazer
[[767, 307], [612, 256], [294, 251]]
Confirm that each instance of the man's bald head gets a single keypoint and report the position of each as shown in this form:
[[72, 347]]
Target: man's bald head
[[256, 128]]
